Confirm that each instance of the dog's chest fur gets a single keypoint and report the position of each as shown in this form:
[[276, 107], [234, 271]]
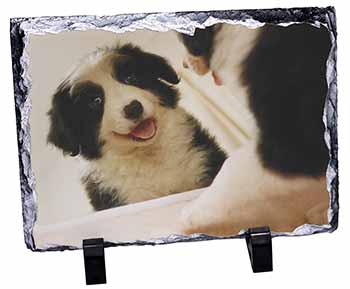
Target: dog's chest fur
[[174, 163], [231, 46]]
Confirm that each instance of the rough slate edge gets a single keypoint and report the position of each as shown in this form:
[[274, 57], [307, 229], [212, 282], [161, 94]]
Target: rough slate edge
[[185, 22]]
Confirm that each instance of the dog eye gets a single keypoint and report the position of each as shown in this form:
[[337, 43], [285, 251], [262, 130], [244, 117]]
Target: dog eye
[[96, 102], [130, 79]]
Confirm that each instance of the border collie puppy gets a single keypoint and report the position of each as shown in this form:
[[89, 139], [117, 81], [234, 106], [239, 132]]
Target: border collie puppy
[[282, 71], [119, 111]]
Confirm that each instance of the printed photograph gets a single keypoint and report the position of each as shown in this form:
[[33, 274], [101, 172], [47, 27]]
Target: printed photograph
[[146, 135]]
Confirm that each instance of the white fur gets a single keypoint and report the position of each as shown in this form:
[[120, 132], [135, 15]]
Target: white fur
[[232, 43], [143, 173]]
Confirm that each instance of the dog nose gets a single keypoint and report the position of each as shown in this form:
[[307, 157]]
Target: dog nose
[[133, 110]]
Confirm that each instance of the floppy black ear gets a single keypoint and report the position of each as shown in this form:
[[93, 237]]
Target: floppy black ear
[[61, 114], [147, 65], [158, 67]]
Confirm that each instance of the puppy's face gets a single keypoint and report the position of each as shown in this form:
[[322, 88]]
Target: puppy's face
[[115, 101]]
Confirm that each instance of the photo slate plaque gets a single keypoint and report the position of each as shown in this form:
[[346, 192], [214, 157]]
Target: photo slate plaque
[[168, 127]]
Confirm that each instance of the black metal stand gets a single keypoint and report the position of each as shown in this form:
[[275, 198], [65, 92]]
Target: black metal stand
[[94, 260], [259, 243]]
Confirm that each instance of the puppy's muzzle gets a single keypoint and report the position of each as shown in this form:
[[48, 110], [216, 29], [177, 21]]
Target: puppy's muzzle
[[134, 110]]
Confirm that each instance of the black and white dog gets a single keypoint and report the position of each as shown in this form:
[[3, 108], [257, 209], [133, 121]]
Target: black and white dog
[[281, 177], [118, 110]]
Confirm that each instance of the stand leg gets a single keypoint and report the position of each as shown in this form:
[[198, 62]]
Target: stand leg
[[94, 260], [259, 243]]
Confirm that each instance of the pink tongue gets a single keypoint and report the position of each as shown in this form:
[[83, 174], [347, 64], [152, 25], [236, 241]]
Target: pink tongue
[[145, 130], [217, 80]]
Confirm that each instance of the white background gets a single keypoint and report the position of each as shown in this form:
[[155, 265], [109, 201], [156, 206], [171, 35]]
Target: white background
[[320, 261]]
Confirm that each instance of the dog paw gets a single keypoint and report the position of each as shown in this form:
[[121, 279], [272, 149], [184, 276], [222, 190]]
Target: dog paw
[[190, 220]]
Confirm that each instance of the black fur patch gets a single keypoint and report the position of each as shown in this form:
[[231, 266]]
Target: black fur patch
[[286, 79], [147, 71], [201, 43], [75, 119], [215, 156], [100, 198]]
